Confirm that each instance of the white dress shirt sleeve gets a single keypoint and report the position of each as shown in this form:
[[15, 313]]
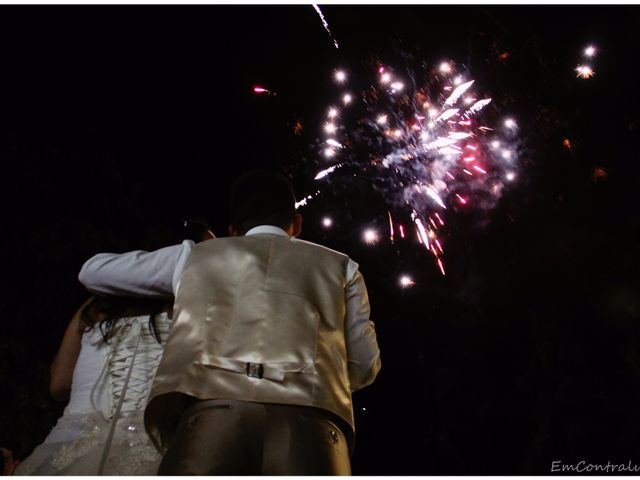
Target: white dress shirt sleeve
[[362, 346], [139, 273]]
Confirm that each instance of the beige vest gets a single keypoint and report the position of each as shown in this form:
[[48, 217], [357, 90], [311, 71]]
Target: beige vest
[[257, 318]]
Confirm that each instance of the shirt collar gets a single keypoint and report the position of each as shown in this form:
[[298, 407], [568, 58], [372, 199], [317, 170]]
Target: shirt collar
[[272, 229]]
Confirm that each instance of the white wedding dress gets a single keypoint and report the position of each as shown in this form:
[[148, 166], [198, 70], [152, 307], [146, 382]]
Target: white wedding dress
[[101, 431]]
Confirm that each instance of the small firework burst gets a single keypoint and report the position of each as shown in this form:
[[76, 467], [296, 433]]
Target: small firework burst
[[445, 67], [258, 90], [599, 174], [510, 123], [370, 236], [584, 71], [406, 281], [330, 128]]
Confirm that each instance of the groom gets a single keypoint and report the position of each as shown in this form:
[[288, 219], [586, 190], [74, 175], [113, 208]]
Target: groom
[[270, 337]]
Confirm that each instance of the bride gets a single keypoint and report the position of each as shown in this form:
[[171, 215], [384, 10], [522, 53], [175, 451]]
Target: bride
[[105, 366]]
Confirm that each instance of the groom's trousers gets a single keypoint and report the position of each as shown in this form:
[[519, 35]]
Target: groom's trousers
[[230, 437]]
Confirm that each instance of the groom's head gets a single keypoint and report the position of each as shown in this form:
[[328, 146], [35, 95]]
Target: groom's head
[[263, 197]]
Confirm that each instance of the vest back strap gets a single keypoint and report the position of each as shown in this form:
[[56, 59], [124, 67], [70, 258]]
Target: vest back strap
[[274, 371]]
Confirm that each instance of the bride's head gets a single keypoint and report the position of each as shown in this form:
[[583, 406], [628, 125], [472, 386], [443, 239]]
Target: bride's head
[[106, 312]]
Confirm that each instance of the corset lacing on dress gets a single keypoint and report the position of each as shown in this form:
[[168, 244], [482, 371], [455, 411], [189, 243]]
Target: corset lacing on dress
[[108, 437], [133, 362], [130, 366]]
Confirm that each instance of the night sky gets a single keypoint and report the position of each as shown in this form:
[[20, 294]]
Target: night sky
[[118, 122]]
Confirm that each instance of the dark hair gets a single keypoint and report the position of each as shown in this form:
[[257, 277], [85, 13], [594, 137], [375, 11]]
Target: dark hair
[[106, 311], [262, 197]]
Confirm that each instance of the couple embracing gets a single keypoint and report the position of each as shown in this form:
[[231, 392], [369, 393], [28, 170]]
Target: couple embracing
[[270, 336]]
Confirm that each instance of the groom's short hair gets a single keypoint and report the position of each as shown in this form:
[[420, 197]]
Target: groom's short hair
[[262, 197]]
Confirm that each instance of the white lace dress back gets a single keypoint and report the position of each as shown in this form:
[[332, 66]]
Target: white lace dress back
[[101, 431]]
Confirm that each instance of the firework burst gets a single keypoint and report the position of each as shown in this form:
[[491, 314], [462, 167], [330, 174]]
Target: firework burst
[[427, 150], [584, 71]]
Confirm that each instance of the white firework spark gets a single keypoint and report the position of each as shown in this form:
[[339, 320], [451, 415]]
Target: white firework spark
[[476, 107], [326, 172], [447, 114], [458, 92], [325, 24]]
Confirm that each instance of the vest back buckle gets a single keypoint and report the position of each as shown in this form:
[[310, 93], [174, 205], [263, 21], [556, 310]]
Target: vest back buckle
[[255, 370]]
